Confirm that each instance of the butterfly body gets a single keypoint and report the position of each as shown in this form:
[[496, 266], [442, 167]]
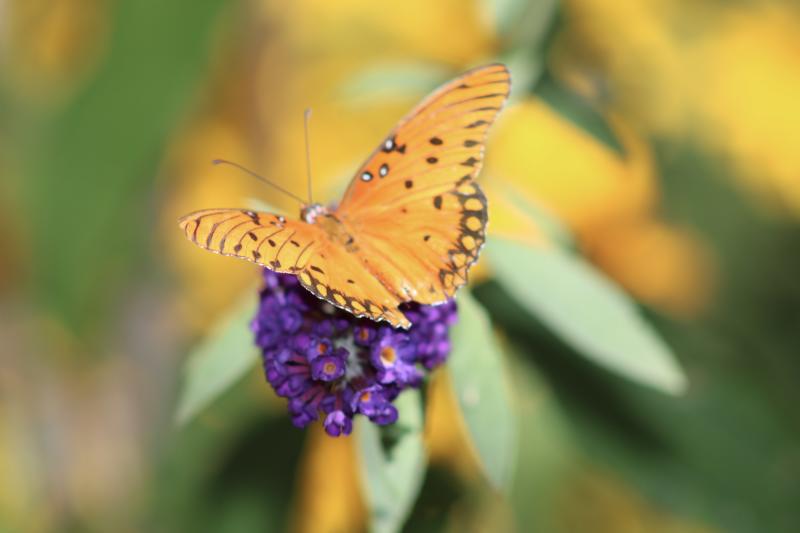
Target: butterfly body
[[410, 224], [310, 212]]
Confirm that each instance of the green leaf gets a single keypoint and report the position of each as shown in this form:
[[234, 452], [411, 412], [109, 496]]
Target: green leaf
[[393, 463], [483, 391], [578, 110], [220, 360], [91, 165], [522, 23], [587, 311], [526, 69], [525, 28], [547, 454], [393, 80]]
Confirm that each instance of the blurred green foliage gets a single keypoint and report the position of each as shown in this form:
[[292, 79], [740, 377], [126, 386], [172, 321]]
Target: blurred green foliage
[[92, 164]]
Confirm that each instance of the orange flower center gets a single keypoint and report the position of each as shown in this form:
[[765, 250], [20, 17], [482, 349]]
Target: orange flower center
[[388, 355], [330, 368]]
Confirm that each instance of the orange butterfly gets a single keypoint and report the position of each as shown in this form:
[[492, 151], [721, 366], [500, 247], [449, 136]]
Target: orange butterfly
[[410, 224]]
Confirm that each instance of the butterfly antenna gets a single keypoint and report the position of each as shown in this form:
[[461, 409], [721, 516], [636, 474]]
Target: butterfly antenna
[[258, 177], [306, 118]]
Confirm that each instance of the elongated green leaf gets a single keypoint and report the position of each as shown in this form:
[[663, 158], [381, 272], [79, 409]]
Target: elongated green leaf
[[525, 28], [483, 390], [393, 464], [587, 311], [578, 110], [547, 453], [522, 23], [393, 80], [91, 165], [219, 361]]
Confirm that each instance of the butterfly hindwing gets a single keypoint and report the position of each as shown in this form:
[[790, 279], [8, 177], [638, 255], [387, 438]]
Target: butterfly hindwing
[[424, 248], [343, 278]]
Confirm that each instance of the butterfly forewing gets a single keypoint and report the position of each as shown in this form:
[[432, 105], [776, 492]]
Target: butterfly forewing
[[438, 143], [414, 204], [270, 240]]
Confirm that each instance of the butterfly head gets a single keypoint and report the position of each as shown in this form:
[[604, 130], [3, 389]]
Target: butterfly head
[[310, 212]]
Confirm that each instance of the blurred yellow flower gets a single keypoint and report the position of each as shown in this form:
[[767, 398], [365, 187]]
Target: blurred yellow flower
[[550, 160], [626, 44], [328, 496], [602, 196], [727, 75], [51, 45], [746, 93]]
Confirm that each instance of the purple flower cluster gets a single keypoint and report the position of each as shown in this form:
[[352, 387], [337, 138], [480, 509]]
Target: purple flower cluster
[[329, 363]]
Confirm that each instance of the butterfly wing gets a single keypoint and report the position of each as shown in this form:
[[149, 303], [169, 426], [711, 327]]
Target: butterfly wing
[[343, 279], [322, 265], [413, 206], [422, 249], [269, 240]]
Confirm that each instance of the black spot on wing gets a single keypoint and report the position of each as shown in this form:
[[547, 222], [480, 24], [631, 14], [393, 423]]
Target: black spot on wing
[[476, 124]]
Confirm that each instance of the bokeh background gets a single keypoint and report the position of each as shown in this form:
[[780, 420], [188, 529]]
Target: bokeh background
[[662, 134]]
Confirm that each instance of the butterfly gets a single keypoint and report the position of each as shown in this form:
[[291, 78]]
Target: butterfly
[[410, 224]]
